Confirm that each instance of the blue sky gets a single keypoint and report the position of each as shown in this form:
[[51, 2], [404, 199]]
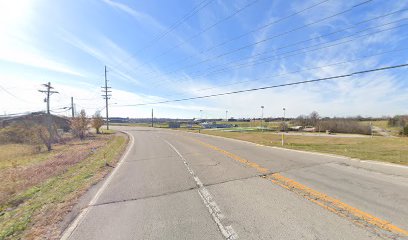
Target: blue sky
[[223, 46]]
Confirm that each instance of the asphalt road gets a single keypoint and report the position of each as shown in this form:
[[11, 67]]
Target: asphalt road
[[179, 185]]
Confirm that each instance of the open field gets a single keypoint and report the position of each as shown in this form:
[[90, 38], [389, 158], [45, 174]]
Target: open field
[[39, 188], [393, 150], [383, 124]]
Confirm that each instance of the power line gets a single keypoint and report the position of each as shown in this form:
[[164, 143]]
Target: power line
[[270, 37], [250, 32], [300, 51], [197, 34], [274, 86], [11, 94], [208, 28], [317, 38], [187, 16], [298, 71], [202, 5]]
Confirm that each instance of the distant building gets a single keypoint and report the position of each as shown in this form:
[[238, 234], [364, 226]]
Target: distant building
[[118, 120], [215, 125], [36, 118], [309, 129], [296, 128], [174, 125]]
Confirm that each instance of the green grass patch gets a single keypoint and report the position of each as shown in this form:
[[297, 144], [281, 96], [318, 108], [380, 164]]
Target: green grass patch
[[386, 149]]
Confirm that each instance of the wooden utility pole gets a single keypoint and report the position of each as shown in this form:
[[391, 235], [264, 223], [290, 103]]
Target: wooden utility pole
[[48, 118], [106, 96], [72, 107], [48, 93], [152, 117]]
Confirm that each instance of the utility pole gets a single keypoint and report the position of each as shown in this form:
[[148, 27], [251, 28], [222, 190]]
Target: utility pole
[[106, 96], [152, 117], [48, 93], [262, 107], [284, 126], [72, 107]]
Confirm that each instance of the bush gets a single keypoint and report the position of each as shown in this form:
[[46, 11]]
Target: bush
[[398, 121], [16, 133], [80, 125], [27, 133], [97, 121], [344, 126], [404, 131]]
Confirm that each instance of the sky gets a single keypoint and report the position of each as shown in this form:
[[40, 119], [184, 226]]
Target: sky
[[166, 50]]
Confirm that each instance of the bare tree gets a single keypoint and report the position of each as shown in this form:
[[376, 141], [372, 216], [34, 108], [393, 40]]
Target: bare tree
[[314, 118], [97, 121], [46, 135], [80, 125]]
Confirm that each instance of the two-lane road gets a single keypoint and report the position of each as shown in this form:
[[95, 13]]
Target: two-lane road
[[179, 185]]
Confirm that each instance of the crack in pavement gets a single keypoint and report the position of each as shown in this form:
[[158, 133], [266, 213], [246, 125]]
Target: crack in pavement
[[141, 198], [152, 158], [171, 192]]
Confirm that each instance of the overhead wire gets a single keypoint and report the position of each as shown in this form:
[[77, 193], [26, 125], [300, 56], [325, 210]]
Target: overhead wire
[[237, 11], [151, 43], [321, 36], [297, 71], [274, 86], [176, 46], [301, 50], [189, 66], [11, 94], [267, 25], [208, 72]]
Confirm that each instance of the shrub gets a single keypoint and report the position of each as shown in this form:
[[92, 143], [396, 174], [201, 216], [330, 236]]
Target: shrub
[[398, 121], [97, 121], [80, 125], [344, 126], [27, 133], [404, 131]]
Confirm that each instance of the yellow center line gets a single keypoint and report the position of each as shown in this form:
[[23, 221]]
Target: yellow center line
[[334, 205]]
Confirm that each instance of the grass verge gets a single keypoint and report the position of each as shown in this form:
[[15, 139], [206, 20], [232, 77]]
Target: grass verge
[[393, 150], [35, 212]]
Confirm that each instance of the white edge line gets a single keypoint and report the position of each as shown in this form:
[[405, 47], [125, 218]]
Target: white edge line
[[68, 231], [227, 231], [313, 153]]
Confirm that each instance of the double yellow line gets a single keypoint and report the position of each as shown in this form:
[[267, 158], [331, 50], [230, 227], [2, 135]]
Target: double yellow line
[[379, 226]]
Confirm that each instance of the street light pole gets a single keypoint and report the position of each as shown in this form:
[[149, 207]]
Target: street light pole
[[226, 115], [262, 107], [283, 123]]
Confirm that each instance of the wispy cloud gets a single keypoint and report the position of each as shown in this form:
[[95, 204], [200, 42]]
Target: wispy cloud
[[35, 59], [139, 16]]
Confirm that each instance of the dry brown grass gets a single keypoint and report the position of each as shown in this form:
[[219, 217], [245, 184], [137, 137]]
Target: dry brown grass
[[35, 195], [23, 175]]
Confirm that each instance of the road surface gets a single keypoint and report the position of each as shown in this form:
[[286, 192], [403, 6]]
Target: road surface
[[178, 185]]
